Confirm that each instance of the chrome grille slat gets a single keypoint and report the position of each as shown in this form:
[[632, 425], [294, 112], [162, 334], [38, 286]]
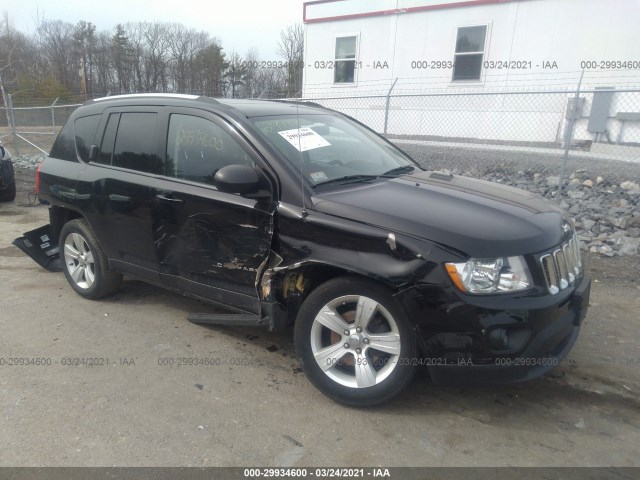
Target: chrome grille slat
[[550, 273], [568, 258], [562, 267]]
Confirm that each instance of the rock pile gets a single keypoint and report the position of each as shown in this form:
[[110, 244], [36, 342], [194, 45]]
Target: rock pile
[[606, 214], [27, 161]]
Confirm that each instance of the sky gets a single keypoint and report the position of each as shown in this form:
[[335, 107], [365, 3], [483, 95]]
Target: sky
[[238, 24]]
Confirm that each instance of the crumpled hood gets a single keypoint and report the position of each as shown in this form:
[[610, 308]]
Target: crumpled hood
[[479, 218]]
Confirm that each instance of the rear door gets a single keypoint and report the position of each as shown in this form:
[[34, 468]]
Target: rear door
[[120, 182], [208, 242]]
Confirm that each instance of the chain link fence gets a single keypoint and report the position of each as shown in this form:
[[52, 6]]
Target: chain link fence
[[583, 154], [29, 130]]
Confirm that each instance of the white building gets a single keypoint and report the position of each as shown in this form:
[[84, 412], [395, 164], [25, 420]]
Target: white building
[[446, 47]]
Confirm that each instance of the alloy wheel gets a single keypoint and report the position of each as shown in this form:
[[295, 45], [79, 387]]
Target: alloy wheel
[[355, 341], [79, 260]]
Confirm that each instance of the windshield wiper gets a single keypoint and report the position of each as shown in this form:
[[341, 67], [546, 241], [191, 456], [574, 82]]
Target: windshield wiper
[[398, 171], [347, 179], [363, 178]]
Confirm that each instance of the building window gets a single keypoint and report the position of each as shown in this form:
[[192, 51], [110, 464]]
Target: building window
[[344, 69], [470, 45]]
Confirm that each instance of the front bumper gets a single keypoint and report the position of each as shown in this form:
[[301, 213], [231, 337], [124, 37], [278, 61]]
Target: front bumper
[[464, 357]]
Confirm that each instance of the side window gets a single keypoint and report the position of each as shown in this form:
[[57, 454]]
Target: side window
[[108, 139], [85, 130], [470, 43], [197, 148], [64, 147], [135, 146]]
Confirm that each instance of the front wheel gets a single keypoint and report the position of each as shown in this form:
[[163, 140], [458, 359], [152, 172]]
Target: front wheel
[[354, 342], [85, 264]]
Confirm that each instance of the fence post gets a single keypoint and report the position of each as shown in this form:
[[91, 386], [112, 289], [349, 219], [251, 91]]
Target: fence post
[[386, 107], [568, 138], [53, 115], [13, 125]]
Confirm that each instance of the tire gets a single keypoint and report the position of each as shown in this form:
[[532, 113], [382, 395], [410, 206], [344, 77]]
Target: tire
[[8, 194], [85, 264], [7, 179], [357, 362]]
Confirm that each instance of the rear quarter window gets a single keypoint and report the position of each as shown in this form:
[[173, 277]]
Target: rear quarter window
[[85, 132], [64, 147]]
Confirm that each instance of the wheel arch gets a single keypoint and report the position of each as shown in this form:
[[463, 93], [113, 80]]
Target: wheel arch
[[59, 216], [292, 285]]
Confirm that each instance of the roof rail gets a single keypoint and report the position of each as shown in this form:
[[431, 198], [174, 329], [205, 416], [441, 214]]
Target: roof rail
[[134, 95], [298, 102]]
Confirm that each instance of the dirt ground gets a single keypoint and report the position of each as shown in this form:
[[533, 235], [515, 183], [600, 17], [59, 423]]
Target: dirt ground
[[256, 408]]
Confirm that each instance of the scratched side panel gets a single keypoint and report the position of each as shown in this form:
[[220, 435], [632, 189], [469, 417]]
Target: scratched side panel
[[210, 238]]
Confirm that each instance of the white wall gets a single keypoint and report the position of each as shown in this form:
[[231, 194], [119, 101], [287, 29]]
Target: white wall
[[563, 31]]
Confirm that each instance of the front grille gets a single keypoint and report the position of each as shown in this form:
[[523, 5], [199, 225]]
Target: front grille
[[562, 266]]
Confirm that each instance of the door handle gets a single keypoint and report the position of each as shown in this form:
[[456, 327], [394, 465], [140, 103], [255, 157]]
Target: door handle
[[119, 198], [166, 197]]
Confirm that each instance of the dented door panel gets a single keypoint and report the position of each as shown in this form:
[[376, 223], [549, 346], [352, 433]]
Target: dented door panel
[[208, 237]]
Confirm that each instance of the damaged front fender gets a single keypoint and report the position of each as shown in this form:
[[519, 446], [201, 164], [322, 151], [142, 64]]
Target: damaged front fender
[[311, 247]]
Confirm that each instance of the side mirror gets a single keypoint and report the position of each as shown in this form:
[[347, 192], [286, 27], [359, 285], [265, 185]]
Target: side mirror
[[241, 179], [93, 153]]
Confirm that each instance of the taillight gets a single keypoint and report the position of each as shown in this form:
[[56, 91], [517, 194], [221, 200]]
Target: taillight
[[38, 177]]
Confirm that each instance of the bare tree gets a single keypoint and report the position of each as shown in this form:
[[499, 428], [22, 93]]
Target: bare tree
[[235, 75], [56, 42], [84, 40], [7, 48], [156, 59], [252, 65], [291, 49], [179, 41], [121, 58], [20, 66], [137, 49], [271, 83], [103, 65], [61, 58]]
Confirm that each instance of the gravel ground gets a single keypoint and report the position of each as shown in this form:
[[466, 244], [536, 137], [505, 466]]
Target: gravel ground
[[261, 410]]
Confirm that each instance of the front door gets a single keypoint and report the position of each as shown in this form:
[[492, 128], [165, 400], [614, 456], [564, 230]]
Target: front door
[[207, 242]]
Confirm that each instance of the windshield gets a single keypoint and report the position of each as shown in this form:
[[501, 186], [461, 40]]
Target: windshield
[[330, 150]]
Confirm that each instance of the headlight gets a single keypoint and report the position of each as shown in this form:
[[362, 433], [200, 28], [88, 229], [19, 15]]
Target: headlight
[[490, 275]]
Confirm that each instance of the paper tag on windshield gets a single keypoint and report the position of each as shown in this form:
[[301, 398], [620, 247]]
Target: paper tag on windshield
[[318, 176], [304, 139]]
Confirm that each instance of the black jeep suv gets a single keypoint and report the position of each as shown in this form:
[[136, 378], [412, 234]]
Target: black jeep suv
[[289, 213]]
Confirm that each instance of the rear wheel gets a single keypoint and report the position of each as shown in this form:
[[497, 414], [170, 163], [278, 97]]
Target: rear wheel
[[86, 266], [354, 342]]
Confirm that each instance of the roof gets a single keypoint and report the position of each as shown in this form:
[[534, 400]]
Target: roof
[[259, 108], [247, 108], [352, 10]]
